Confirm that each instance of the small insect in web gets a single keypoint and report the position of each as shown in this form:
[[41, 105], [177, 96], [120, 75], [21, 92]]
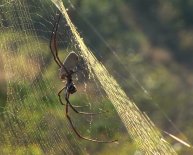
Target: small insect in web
[[67, 69]]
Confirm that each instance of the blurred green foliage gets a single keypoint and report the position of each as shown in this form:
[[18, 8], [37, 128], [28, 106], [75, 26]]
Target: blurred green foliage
[[153, 41]]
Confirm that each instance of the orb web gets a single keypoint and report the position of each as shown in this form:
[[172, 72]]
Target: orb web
[[32, 117], [137, 124]]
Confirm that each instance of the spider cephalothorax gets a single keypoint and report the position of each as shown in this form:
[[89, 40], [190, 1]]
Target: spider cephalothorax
[[66, 70]]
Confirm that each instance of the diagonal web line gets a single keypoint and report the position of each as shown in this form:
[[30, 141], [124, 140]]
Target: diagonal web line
[[139, 126]]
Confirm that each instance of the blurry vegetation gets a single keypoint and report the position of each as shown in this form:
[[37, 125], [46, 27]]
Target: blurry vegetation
[[153, 40]]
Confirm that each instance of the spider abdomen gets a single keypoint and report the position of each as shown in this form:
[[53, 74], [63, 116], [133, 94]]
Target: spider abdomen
[[70, 63]]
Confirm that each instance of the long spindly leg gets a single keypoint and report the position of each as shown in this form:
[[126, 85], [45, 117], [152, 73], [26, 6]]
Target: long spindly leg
[[60, 99], [54, 39], [54, 43], [80, 112], [78, 134], [53, 46], [59, 95]]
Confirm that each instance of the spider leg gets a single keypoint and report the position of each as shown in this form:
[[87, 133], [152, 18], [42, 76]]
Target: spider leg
[[79, 106], [59, 96], [53, 43], [54, 39], [80, 112], [79, 135]]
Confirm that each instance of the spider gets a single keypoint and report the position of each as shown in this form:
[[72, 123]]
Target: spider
[[66, 72]]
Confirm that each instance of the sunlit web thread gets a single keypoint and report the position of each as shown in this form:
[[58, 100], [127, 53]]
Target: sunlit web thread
[[35, 95], [99, 35], [134, 121]]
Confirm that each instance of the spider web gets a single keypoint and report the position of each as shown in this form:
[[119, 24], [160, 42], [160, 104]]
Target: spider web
[[136, 123], [32, 119], [30, 122]]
